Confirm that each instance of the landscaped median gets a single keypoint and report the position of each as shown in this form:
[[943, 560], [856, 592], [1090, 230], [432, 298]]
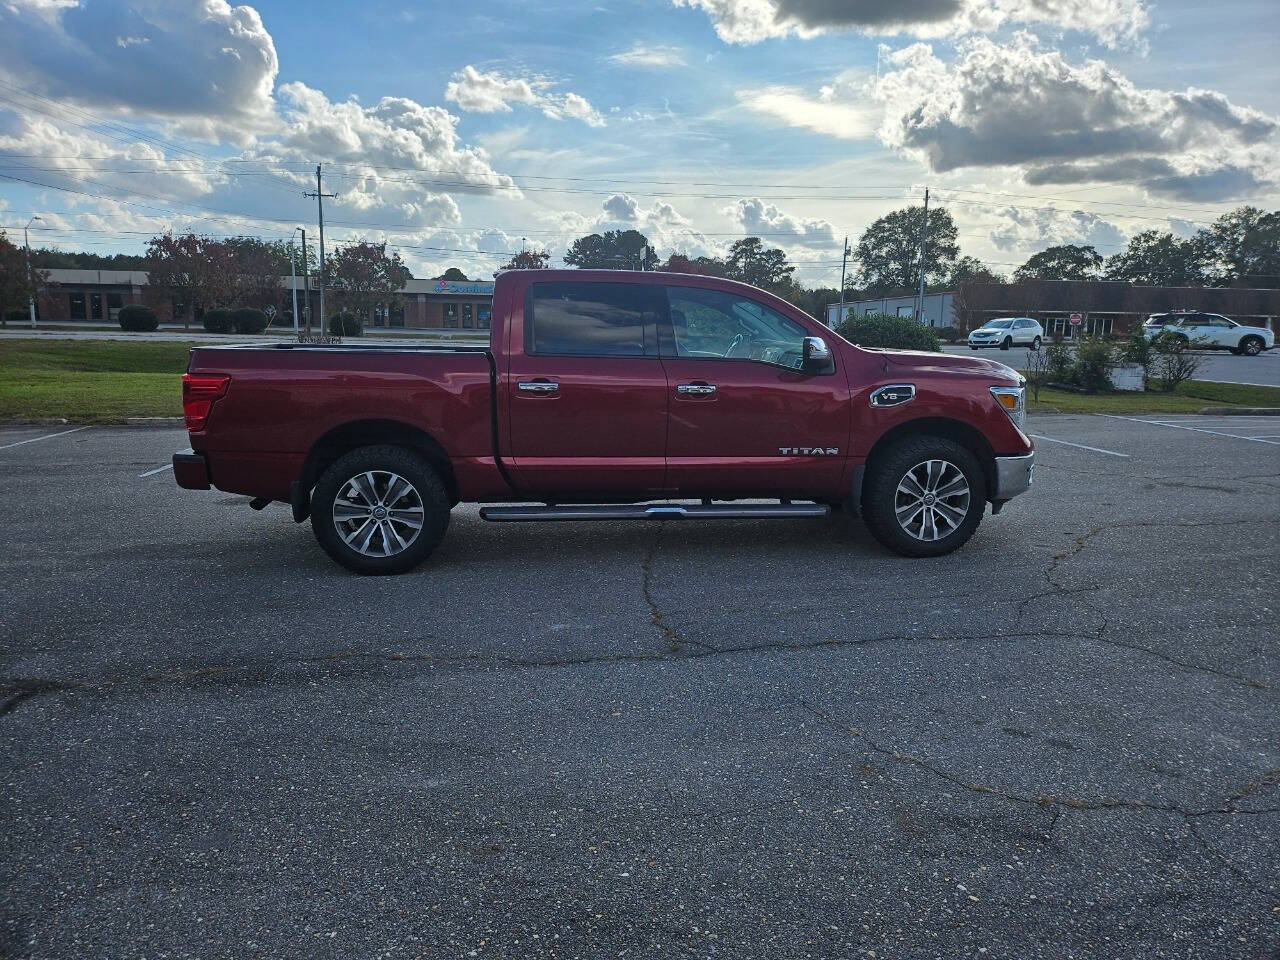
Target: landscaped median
[[110, 381], [90, 381]]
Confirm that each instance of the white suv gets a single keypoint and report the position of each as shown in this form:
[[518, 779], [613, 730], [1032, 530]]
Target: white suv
[[1007, 332], [1215, 332]]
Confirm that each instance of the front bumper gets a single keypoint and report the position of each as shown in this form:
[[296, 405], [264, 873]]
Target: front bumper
[[985, 342], [1013, 476], [191, 470]]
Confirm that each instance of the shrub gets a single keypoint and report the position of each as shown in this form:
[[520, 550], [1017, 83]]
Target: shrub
[[1095, 359], [138, 318], [249, 320], [17, 316], [346, 325], [1060, 365], [948, 334], [1140, 350], [217, 320], [1174, 360], [881, 330]]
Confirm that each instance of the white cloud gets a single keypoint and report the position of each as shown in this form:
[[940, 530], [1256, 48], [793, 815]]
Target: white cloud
[[752, 21], [200, 60], [1018, 105], [845, 109], [761, 218], [478, 92], [1019, 229], [645, 55]]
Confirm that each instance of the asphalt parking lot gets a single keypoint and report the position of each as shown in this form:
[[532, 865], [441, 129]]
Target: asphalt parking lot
[[1217, 365], [742, 739]]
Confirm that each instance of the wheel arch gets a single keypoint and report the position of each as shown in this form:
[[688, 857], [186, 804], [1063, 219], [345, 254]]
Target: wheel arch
[[962, 433], [372, 432]]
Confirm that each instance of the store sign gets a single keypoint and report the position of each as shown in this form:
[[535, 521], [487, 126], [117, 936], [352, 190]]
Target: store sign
[[478, 288]]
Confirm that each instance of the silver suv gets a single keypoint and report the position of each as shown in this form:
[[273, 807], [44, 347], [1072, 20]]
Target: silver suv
[[1006, 332]]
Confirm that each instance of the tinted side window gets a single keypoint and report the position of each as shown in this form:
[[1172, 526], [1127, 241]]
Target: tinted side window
[[712, 324], [591, 319]]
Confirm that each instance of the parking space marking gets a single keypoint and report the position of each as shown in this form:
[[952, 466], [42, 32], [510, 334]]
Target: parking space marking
[[47, 436], [1183, 426], [152, 473], [1081, 446]]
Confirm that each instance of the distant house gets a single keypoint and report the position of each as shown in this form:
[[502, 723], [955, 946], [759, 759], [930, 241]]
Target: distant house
[[1106, 306], [98, 295]]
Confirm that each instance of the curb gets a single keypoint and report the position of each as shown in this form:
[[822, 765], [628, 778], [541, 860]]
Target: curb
[[139, 422], [1240, 411]]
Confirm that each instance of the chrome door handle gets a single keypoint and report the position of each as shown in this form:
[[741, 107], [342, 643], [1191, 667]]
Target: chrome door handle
[[697, 389], [538, 386]]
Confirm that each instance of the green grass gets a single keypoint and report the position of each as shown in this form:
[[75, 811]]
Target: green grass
[[1190, 397], [90, 381]]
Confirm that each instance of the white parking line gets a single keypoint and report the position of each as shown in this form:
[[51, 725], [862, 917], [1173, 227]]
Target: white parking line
[[1183, 426], [47, 436], [1081, 446], [152, 473]]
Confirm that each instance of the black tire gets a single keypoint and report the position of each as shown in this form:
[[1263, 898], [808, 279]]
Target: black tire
[[1251, 346], [381, 461], [1008, 342], [880, 497], [1035, 344]]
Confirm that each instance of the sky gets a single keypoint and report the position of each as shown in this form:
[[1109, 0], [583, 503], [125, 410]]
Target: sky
[[459, 133]]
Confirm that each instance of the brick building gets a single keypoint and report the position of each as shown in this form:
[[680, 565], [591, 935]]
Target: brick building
[[98, 295]]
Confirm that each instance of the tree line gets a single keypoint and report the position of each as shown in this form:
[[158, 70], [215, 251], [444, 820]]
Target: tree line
[[1240, 249]]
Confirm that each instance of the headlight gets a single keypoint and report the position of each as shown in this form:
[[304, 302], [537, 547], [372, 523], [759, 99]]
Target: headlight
[[1013, 400]]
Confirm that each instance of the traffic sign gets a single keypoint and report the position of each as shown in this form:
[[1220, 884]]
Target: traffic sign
[[1076, 319]]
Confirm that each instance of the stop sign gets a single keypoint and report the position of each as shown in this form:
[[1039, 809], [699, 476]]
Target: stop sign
[[1075, 319]]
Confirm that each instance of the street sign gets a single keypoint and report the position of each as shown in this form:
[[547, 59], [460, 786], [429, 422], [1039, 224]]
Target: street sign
[[1075, 320], [270, 311]]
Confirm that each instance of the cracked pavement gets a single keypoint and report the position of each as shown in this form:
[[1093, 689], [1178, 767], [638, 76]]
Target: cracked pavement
[[738, 739]]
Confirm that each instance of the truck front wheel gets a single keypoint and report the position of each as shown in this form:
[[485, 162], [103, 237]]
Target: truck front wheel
[[924, 496], [379, 510]]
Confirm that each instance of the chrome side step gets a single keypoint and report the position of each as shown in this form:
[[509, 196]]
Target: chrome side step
[[658, 511]]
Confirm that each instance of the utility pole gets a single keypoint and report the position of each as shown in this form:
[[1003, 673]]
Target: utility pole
[[924, 236], [293, 279], [320, 195], [306, 281], [844, 260], [31, 283]]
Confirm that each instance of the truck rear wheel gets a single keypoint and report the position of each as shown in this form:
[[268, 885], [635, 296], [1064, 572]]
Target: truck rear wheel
[[924, 496], [379, 510]]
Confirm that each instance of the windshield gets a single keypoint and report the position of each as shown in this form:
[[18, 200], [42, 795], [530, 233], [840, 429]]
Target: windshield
[[997, 324]]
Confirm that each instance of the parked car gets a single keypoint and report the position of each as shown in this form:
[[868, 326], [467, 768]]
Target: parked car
[[1213, 331], [600, 393], [1007, 332], [1157, 322]]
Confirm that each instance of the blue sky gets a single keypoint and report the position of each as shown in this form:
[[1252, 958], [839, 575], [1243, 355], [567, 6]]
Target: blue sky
[[460, 132]]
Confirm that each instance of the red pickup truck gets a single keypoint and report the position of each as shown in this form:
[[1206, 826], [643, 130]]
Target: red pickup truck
[[608, 395]]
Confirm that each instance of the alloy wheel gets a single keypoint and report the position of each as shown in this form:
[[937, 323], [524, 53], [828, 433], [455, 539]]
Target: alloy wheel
[[378, 513], [932, 500]]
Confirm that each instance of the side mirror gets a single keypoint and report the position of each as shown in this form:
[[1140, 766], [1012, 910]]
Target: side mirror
[[815, 354]]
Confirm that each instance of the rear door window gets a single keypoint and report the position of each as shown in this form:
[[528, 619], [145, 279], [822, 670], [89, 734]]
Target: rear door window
[[584, 319]]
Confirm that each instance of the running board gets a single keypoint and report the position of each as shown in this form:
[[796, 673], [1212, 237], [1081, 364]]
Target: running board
[[665, 511]]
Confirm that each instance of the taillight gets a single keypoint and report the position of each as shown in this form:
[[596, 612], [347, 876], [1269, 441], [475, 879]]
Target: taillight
[[199, 390]]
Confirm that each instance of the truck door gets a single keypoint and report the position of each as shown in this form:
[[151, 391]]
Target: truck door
[[745, 420], [586, 392]]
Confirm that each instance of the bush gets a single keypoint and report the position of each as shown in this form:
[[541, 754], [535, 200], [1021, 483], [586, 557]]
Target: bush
[[138, 318], [346, 325], [1095, 359], [949, 334], [1174, 360], [881, 330], [1060, 365], [249, 320], [17, 316], [1140, 350], [217, 320]]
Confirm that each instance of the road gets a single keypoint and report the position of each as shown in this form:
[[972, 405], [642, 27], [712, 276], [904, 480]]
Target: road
[[1218, 366], [738, 740]]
